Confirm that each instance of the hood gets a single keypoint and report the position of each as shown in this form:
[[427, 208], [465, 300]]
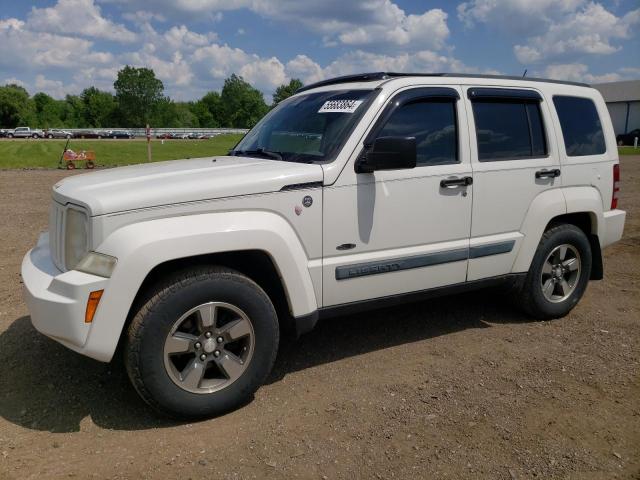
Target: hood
[[178, 181]]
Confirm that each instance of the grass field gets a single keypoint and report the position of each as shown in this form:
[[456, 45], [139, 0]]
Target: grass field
[[628, 151], [46, 153]]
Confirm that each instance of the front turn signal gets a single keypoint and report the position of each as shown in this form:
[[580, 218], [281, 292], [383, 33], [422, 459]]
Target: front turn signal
[[92, 305]]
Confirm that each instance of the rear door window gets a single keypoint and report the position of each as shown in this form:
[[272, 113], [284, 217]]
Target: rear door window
[[509, 129], [581, 127]]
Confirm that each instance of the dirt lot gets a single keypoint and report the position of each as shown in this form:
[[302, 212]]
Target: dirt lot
[[442, 389]]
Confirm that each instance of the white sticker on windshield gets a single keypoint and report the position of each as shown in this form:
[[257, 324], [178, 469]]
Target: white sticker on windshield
[[340, 106]]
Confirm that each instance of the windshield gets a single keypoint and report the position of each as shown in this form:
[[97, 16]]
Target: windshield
[[307, 128]]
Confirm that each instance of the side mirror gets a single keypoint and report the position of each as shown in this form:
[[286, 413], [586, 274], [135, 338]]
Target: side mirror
[[389, 153]]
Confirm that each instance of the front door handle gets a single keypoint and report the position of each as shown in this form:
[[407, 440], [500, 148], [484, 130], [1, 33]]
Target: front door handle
[[456, 182], [548, 173]]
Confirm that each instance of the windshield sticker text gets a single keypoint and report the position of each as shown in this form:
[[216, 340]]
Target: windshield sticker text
[[340, 106]]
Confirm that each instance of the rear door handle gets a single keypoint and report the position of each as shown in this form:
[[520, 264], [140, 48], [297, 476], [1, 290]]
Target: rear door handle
[[456, 182], [548, 173]]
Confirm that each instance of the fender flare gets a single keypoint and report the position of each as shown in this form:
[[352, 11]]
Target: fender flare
[[142, 246], [549, 205], [544, 207], [588, 200]]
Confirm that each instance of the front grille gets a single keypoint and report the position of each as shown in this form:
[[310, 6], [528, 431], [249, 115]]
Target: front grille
[[56, 234]]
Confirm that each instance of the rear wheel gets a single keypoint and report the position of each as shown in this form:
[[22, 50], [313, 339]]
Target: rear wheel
[[49, 136], [559, 273], [203, 343]]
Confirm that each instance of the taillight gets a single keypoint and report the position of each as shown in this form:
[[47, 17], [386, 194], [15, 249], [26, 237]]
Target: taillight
[[616, 186]]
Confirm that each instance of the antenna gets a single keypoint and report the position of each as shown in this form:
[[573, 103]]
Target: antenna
[[525, 73]]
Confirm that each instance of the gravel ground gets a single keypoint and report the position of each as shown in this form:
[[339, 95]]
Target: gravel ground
[[441, 389]]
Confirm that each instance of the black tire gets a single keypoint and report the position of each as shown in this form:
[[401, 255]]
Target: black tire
[[144, 349], [530, 295], [10, 135]]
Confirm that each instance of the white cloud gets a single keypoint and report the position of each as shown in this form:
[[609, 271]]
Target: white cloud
[[557, 30], [304, 68], [429, 30], [14, 81], [26, 49], [143, 16], [579, 72], [590, 31], [82, 17], [55, 88], [355, 22], [269, 73], [521, 16]]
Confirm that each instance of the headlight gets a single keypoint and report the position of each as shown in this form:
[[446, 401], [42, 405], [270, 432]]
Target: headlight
[[97, 264], [76, 238]]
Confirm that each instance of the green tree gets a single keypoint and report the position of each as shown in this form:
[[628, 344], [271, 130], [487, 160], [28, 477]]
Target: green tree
[[202, 113], [213, 103], [242, 105], [16, 108], [98, 108], [49, 111], [286, 90], [72, 116], [138, 93]]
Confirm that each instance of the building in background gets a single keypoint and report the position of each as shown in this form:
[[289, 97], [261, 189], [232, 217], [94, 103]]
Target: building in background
[[623, 101]]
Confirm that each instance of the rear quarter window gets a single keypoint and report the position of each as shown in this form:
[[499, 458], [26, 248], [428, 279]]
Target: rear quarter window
[[581, 126]]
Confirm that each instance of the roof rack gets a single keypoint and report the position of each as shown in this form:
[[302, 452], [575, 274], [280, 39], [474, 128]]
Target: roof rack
[[377, 76]]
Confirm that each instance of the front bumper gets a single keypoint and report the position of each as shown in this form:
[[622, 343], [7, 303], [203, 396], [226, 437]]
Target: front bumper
[[57, 300]]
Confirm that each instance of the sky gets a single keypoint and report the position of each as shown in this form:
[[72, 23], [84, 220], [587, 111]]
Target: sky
[[63, 46]]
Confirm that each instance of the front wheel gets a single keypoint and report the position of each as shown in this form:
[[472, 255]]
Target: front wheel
[[559, 273], [203, 344]]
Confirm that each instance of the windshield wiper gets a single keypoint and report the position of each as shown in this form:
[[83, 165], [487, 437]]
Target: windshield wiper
[[260, 151]]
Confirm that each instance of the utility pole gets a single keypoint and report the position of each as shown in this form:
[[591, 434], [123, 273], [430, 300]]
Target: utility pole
[[148, 143]]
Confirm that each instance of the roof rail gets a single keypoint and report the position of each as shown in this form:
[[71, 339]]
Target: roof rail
[[377, 76]]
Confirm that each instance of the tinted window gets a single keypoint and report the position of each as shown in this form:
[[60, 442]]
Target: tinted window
[[581, 126], [433, 124], [508, 130], [307, 128]]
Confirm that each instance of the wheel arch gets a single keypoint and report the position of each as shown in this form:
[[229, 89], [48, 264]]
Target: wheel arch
[[147, 250], [257, 265], [588, 223], [579, 206]]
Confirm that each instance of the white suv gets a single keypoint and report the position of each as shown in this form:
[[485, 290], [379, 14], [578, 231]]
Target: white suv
[[356, 192]]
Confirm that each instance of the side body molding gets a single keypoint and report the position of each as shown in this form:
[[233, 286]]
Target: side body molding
[[142, 246]]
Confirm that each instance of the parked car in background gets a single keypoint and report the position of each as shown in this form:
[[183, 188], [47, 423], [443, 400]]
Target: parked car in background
[[628, 138], [198, 136], [25, 132], [89, 134], [183, 136], [119, 134], [57, 133], [3, 133], [166, 135]]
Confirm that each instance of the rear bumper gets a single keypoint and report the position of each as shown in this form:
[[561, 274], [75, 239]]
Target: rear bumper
[[57, 300], [613, 227]]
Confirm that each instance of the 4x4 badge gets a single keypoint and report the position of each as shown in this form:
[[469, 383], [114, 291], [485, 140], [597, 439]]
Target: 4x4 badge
[[307, 201]]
